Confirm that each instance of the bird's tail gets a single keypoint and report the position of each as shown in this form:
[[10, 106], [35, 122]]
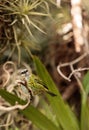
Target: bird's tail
[[51, 93]]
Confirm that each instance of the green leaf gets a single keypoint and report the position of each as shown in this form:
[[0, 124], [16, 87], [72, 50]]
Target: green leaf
[[85, 104], [86, 83], [37, 118], [64, 115], [84, 113]]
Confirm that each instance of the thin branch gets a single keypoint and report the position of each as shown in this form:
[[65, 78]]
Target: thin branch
[[72, 63], [73, 71], [9, 121], [76, 13], [60, 72], [77, 70], [79, 58], [58, 2], [7, 72], [17, 106], [78, 80], [4, 125]]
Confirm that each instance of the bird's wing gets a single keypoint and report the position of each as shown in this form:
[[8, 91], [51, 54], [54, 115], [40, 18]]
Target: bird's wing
[[39, 81]]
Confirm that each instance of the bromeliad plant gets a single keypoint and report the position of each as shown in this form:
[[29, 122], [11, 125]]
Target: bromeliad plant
[[20, 19], [65, 119]]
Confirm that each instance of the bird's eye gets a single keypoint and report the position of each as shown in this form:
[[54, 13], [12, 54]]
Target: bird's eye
[[24, 71]]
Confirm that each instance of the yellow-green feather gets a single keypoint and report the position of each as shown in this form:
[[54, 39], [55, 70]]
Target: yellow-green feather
[[37, 86]]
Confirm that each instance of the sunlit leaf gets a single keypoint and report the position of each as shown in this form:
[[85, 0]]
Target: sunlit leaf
[[63, 113], [86, 83], [85, 104], [40, 120]]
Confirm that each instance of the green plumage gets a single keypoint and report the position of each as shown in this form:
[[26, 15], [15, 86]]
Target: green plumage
[[37, 86]]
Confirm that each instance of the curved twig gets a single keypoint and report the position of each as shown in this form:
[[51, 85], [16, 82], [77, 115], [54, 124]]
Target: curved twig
[[17, 106], [72, 63], [73, 71], [7, 72]]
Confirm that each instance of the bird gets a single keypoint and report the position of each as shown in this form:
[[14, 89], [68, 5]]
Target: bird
[[38, 86], [34, 84]]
